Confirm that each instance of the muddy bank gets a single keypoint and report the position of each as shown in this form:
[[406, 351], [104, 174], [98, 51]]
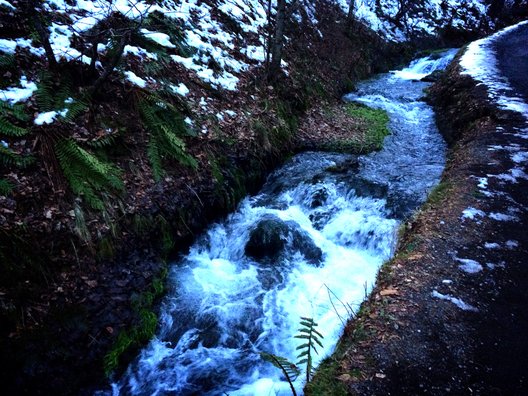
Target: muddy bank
[[448, 313]]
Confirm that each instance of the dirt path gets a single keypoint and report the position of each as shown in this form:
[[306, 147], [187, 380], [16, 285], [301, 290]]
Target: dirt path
[[449, 313]]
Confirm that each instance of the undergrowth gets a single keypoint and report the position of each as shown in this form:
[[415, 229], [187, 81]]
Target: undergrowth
[[129, 340]]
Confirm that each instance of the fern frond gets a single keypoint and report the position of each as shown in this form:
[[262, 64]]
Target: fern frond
[[86, 174], [312, 336], [6, 187], [154, 157], [166, 127], [75, 108], [18, 111], [10, 112], [7, 61], [290, 370], [10, 129], [9, 158], [45, 92], [103, 141]]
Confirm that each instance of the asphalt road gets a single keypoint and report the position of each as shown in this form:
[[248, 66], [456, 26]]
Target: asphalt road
[[512, 56]]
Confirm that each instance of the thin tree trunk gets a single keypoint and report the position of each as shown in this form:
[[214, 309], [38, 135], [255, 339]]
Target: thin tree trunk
[[32, 9], [112, 65], [278, 41], [268, 36], [350, 15]]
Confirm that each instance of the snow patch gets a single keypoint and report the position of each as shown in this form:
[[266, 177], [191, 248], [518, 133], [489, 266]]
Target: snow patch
[[472, 213], [134, 79], [160, 38], [7, 4], [457, 301], [502, 217], [46, 118], [469, 266], [511, 244], [491, 245], [520, 157], [181, 89], [16, 94]]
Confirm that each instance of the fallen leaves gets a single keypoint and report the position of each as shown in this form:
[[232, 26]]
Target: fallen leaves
[[389, 292]]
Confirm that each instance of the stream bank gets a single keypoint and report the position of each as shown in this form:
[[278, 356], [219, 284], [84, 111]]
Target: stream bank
[[91, 291], [448, 313], [312, 239]]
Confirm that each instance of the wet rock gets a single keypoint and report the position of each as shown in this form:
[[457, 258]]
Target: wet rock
[[368, 188], [433, 77], [319, 197], [273, 237]]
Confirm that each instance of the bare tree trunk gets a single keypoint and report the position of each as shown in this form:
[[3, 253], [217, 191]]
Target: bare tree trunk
[[112, 64], [268, 36], [33, 10], [278, 41], [350, 15]]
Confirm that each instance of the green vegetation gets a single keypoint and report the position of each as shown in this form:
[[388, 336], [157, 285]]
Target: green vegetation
[[375, 120], [167, 127], [325, 382], [439, 193], [311, 339], [290, 371], [130, 340], [86, 174], [5, 187]]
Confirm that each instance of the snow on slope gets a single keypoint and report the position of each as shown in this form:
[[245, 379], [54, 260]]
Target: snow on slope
[[426, 17], [203, 32], [219, 56], [479, 61]]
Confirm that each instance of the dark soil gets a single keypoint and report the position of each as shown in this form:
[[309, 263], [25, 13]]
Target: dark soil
[[406, 341]]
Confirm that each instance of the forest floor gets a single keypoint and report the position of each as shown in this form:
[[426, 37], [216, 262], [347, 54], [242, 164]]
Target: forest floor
[[448, 314]]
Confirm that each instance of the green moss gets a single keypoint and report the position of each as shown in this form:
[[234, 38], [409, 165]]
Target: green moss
[[130, 340], [376, 121], [325, 382], [439, 193]]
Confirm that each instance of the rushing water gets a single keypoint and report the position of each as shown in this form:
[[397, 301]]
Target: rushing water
[[336, 218]]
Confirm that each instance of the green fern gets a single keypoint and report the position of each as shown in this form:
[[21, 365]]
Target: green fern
[[166, 126], [312, 337], [57, 94], [290, 370], [7, 61], [10, 112], [103, 141], [86, 174], [75, 108], [6, 187], [45, 93], [9, 158]]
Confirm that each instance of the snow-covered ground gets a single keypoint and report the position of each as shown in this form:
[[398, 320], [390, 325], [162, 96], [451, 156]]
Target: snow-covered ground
[[480, 62]]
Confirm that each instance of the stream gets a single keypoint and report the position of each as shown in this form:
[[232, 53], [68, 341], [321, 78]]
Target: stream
[[308, 245]]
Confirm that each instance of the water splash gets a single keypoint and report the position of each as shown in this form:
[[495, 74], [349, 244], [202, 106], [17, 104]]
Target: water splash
[[224, 307]]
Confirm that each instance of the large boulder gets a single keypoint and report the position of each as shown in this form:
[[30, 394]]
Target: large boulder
[[273, 237]]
